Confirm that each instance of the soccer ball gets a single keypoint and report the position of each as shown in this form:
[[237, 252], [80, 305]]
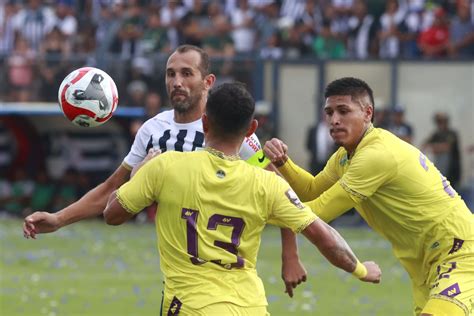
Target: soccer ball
[[88, 97]]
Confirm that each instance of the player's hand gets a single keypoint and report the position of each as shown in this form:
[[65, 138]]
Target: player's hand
[[293, 273], [152, 153], [40, 223], [374, 274], [276, 151]]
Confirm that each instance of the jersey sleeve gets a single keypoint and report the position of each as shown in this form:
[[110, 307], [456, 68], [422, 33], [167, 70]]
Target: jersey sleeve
[[307, 186], [141, 190], [369, 170], [287, 210], [139, 147]]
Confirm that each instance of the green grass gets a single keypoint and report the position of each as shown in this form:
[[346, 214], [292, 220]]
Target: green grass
[[93, 269]]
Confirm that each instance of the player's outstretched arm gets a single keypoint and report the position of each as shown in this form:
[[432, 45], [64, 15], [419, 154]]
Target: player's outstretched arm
[[90, 205], [338, 252]]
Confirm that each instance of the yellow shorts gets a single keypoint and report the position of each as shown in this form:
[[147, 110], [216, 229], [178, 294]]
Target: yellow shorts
[[450, 290], [172, 306]]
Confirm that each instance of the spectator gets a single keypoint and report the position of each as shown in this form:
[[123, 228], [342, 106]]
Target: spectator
[[243, 28], [171, 15], [65, 19], [444, 147], [399, 127], [152, 104], [7, 27], [219, 44], [433, 41], [21, 71], [53, 52], [130, 32], [310, 22], [136, 92], [327, 45], [319, 144], [388, 35], [362, 30], [273, 48], [267, 23], [33, 22], [382, 118], [195, 24], [461, 32], [155, 37]]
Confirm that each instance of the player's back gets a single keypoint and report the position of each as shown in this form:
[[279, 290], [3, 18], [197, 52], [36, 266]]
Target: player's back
[[209, 206]]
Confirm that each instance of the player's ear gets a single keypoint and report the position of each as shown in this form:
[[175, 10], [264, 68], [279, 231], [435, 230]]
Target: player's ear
[[209, 80], [205, 123], [252, 128]]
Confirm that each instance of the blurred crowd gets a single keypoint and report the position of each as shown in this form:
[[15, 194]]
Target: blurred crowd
[[43, 40]]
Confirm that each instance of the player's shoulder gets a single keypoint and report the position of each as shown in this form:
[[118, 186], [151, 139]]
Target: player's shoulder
[[161, 121]]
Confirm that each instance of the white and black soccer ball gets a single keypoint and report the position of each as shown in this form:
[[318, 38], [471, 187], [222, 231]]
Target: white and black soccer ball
[[88, 97]]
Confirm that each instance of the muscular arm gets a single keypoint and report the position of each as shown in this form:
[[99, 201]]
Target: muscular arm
[[90, 205], [114, 213], [338, 252]]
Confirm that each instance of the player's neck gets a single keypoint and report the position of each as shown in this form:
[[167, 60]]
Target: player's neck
[[351, 149], [226, 147]]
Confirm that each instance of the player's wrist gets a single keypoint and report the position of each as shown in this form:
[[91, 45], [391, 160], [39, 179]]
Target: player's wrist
[[280, 162], [360, 270]]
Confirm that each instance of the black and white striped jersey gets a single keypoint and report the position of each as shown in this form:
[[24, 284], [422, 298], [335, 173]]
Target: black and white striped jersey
[[162, 132]]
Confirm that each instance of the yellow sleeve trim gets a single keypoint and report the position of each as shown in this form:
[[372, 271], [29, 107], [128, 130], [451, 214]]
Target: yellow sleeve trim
[[360, 271], [303, 226], [124, 206]]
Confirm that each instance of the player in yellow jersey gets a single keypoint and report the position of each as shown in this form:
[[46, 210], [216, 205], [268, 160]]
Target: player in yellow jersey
[[400, 194], [213, 208]]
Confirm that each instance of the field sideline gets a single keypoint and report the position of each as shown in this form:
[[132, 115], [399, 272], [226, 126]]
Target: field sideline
[[93, 269]]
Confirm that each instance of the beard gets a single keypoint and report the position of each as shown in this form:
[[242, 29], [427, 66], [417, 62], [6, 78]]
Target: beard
[[190, 101]]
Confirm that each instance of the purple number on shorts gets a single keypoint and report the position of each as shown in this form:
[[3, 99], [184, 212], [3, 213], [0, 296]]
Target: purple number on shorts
[[446, 186], [238, 225], [191, 217]]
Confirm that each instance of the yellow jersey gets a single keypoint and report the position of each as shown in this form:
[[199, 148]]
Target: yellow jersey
[[399, 193], [212, 213]]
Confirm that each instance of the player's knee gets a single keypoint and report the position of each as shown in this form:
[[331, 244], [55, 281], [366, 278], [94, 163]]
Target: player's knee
[[443, 307]]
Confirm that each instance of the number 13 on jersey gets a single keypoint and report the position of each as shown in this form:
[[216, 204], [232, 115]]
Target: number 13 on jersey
[[237, 224]]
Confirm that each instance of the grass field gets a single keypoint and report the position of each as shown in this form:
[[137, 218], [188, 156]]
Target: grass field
[[93, 269]]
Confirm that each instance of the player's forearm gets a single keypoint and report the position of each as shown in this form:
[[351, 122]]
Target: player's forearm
[[90, 205], [331, 245], [289, 244], [306, 186]]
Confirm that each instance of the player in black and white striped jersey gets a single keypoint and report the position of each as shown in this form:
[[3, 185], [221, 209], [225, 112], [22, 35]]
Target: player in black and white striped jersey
[[163, 133], [188, 81]]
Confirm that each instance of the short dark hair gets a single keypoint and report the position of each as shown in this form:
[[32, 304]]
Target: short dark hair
[[354, 87], [204, 64], [230, 108]]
